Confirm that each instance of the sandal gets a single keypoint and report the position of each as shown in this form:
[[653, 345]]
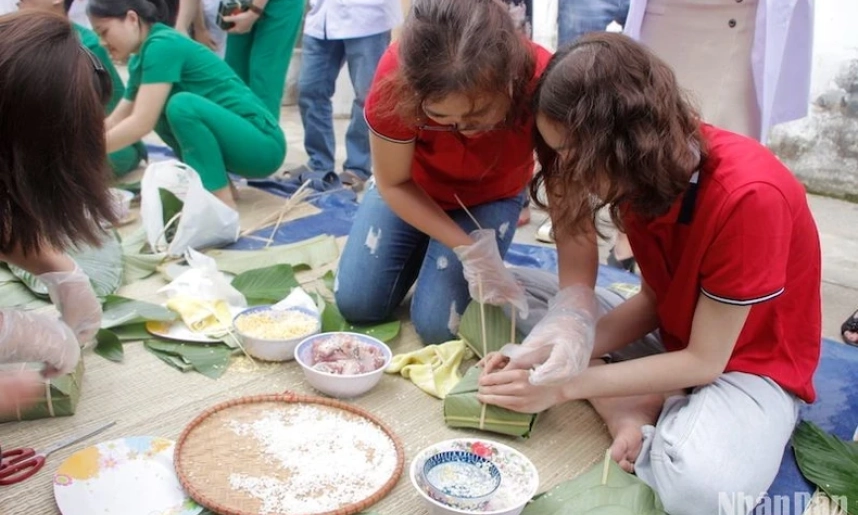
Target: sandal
[[627, 264], [351, 179], [849, 329]]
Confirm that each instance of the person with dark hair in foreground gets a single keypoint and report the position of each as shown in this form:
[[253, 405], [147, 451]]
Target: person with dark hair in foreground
[[190, 97], [54, 190], [451, 133], [730, 259], [126, 159]]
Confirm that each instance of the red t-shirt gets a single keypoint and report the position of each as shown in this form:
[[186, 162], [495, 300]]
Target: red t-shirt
[[751, 241], [493, 166]]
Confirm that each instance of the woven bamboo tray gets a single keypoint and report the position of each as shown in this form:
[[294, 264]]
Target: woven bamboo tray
[[204, 451]]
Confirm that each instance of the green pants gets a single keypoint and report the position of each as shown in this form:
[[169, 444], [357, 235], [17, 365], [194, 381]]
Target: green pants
[[126, 160], [261, 57], [212, 140]]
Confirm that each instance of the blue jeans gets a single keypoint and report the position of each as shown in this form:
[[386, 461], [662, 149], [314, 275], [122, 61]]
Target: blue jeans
[[321, 61], [384, 256], [578, 17]]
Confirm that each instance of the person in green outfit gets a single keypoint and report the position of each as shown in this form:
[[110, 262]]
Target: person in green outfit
[[125, 159], [259, 46], [187, 95]]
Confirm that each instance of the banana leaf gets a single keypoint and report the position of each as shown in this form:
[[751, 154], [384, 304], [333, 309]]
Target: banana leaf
[[498, 329], [59, 398], [605, 489], [6, 275], [14, 294], [108, 346], [462, 409], [119, 311], [138, 263], [828, 462], [211, 360], [103, 266], [266, 285], [135, 332], [171, 207], [333, 321], [310, 253]]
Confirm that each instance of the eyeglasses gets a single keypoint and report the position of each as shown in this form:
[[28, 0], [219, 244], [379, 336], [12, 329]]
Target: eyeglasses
[[105, 83]]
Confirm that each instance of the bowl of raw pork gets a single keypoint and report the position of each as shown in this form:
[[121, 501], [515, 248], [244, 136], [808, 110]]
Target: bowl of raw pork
[[341, 364], [273, 334]]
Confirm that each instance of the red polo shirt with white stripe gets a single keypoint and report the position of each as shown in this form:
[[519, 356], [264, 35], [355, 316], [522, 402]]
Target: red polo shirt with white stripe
[[751, 241], [491, 166]]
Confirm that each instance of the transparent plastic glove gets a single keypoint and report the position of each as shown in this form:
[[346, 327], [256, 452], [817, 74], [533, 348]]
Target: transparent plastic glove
[[19, 389], [72, 294], [560, 345], [486, 274], [37, 338]]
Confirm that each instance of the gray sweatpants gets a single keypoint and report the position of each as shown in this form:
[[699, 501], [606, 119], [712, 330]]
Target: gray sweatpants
[[713, 451]]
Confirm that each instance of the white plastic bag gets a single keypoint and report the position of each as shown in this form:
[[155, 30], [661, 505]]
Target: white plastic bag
[[203, 282], [205, 221]]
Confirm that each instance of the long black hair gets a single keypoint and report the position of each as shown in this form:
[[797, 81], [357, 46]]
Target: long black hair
[[53, 165], [150, 11]]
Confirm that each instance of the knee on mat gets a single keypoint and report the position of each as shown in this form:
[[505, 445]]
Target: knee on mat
[[431, 328], [357, 308]]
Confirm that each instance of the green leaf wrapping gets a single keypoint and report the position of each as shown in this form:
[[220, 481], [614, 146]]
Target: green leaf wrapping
[[109, 346], [211, 360], [462, 409], [333, 321], [312, 253], [828, 462], [266, 285], [103, 266], [621, 494], [119, 311], [498, 329]]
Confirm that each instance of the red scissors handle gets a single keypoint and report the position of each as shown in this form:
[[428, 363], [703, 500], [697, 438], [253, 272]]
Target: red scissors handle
[[19, 464]]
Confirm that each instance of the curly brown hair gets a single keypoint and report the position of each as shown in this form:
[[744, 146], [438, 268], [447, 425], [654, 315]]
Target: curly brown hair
[[54, 178], [632, 140], [468, 47]]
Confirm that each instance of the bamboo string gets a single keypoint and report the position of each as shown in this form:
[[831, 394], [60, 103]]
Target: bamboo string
[[485, 344], [605, 468], [465, 209]]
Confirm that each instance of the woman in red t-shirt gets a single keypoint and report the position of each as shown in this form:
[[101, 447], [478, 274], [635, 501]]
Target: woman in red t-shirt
[[451, 126], [730, 259]]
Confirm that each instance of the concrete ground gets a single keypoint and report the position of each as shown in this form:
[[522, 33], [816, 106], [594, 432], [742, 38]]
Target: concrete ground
[[837, 221]]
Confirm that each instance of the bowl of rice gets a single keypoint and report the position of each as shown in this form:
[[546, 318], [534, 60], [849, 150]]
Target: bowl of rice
[[273, 334], [342, 364]]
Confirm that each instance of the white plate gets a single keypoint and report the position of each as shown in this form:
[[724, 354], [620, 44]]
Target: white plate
[[129, 476], [177, 330]]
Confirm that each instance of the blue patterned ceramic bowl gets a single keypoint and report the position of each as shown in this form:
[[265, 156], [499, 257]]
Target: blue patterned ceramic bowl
[[461, 479]]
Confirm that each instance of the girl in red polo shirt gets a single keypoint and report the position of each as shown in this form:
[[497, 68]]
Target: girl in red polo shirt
[[451, 127], [730, 260]]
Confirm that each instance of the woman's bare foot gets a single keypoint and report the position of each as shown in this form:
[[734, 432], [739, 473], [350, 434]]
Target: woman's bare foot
[[625, 416]]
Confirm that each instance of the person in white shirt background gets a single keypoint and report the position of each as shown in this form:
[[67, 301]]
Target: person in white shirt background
[[338, 32], [745, 63]]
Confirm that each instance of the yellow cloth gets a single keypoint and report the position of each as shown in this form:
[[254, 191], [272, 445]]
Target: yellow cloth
[[434, 368], [202, 316]]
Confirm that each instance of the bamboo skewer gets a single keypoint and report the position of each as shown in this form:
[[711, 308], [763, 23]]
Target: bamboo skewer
[[277, 218], [605, 467], [485, 344]]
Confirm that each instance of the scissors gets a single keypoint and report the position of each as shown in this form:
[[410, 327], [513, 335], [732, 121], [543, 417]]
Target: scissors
[[19, 464]]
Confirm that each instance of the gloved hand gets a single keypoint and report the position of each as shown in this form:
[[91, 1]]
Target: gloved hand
[[38, 338], [19, 389], [489, 281], [560, 345], [72, 294]]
